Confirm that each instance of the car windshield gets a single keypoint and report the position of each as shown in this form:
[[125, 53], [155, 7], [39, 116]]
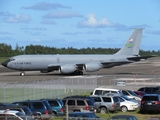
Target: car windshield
[[132, 93], [126, 98], [90, 102], [20, 114], [150, 98], [27, 111]]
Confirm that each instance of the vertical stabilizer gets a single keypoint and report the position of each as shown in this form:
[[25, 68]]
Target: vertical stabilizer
[[132, 45]]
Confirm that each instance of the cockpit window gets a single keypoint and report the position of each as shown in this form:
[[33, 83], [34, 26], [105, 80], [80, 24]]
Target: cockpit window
[[11, 59]]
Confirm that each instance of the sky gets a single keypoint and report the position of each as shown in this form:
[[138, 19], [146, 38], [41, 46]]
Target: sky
[[79, 23]]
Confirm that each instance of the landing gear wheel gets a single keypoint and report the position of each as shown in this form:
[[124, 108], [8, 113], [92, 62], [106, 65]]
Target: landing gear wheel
[[80, 73], [22, 73]]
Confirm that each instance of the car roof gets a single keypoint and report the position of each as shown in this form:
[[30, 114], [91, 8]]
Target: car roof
[[70, 98], [29, 101], [7, 105], [8, 111], [105, 95], [106, 88]]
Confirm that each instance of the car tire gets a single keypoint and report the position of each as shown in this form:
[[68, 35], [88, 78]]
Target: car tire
[[103, 110], [124, 109]]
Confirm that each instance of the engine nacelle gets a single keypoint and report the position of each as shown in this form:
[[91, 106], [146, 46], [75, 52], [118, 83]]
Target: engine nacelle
[[91, 67], [46, 71], [67, 69]]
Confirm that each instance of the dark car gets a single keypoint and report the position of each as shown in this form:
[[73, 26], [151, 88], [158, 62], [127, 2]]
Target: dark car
[[140, 93], [79, 104], [41, 108], [83, 116], [123, 117], [150, 89], [150, 103], [57, 106]]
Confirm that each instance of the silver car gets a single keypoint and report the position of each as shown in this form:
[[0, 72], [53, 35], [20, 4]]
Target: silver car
[[105, 103]]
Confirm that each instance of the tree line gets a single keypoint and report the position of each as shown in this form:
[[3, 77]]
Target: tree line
[[8, 51]]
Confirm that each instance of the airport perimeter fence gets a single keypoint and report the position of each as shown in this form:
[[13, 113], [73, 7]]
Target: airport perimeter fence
[[73, 85]]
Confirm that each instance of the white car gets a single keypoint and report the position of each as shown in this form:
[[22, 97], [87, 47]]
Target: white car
[[127, 105], [13, 115]]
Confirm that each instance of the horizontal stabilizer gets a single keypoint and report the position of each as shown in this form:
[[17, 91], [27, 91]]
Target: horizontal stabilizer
[[140, 58]]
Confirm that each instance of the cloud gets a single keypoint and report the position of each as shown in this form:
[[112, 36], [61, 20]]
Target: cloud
[[156, 32], [35, 28], [76, 33], [48, 22], [120, 27], [46, 6], [94, 32], [5, 14], [92, 22], [5, 33], [140, 26], [17, 18], [59, 14], [70, 33]]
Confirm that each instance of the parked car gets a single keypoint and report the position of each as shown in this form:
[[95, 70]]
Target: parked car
[[104, 90], [13, 115], [131, 94], [57, 106], [105, 103], [150, 103], [20, 108], [125, 97], [123, 117], [149, 89], [38, 107], [140, 93], [79, 104], [83, 116], [127, 105]]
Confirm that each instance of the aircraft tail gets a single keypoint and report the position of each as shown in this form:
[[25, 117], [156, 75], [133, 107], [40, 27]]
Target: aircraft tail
[[132, 45]]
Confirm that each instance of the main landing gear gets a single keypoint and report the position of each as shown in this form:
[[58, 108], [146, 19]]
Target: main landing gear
[[78, 72], [22, 73]]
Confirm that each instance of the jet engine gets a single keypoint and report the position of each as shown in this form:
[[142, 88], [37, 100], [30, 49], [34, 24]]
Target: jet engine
[[91, 67], [66, 69]]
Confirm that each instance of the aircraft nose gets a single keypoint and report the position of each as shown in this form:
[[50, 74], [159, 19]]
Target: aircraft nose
[[5, 63]]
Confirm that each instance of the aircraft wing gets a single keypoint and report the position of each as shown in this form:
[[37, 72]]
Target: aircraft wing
[[81, 66], [112, 64], [53, 67]]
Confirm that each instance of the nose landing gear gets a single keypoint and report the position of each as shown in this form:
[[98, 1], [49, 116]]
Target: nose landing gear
[[22, 73]]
